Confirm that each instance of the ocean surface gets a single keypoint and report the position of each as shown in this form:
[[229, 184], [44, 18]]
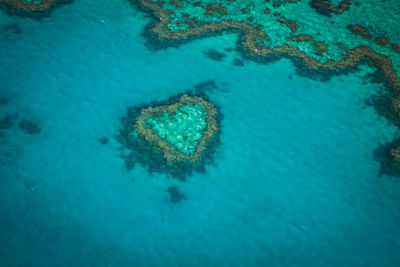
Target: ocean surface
[[294, 180]]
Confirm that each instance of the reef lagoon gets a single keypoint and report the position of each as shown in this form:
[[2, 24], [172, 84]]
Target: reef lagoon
[[298, 165]]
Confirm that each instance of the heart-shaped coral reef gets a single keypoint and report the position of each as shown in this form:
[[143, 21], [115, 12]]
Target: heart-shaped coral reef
[[177, 136], [180, 130]]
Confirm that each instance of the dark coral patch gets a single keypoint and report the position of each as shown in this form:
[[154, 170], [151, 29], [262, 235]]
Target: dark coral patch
[[31, 9], [325, 7], [381, 40], [216, 10], [104, 140], [278, 3], [292, 25], [13, 27], [6, 122], [396, 47], [203, 87], [386, 154], [175, 195], [320, 48], [29, 127], [359, 30], [214, 54], [301, 38], [238, 62]]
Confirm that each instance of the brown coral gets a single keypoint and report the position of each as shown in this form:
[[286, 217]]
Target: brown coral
[[395, 152], [29, 7], [246, 9], [360, 30], [301, 38], [396, 47], [213, 9], [320, 48], [325, 7], [292, 25], [382, 40]]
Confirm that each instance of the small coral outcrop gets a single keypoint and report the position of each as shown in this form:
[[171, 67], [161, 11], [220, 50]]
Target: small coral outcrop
[[176, 136], [181, 131]]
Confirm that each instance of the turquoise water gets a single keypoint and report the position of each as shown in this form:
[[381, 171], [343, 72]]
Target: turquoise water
[[294, 181]]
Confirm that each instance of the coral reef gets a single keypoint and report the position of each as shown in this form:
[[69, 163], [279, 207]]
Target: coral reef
[[382, 40], [292, 25], [175, 137], [268, 31], [395, 152], [300, 38], [29, 5], [325, 7], [216, 9], [181, 131], [258, 41], [320, 48], [360, 30], [278, 3], [388, 155], [396, 47], [31, 8]]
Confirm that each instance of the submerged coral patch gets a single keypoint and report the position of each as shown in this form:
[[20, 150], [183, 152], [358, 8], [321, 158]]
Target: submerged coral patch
[[388, 156], [30, 5], [31, 8], [214, 55], [181, 130], [173, 137], [325, 7], [175, 194], [29, 127], [13, 27]]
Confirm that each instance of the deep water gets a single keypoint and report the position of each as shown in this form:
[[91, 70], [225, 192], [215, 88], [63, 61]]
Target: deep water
[[294, 180]]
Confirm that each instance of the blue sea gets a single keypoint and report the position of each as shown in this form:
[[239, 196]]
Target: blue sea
[[294, 180]]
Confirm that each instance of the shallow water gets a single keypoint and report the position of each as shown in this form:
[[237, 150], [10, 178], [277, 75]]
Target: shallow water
[[294, 181]]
